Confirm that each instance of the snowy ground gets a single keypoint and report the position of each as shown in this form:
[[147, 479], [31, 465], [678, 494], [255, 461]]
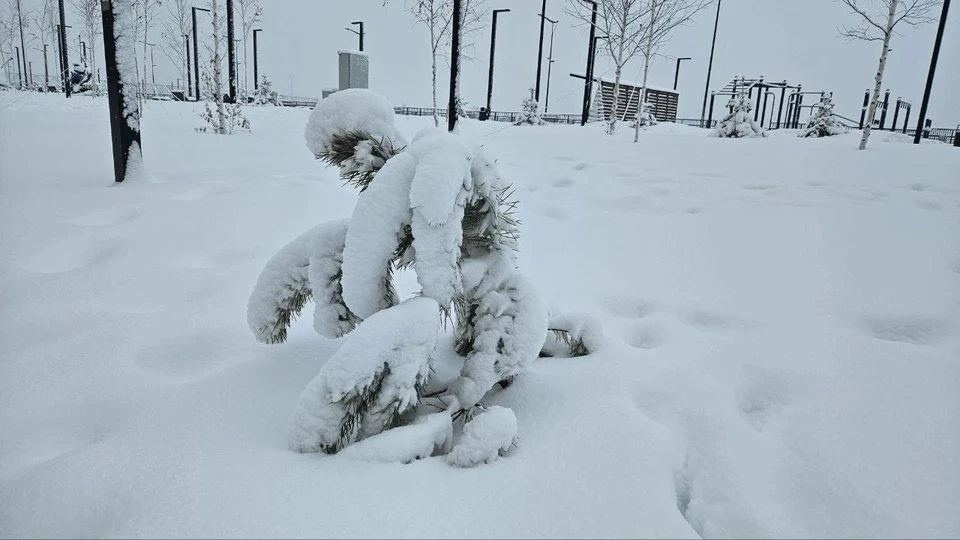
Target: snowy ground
[[782, 351]]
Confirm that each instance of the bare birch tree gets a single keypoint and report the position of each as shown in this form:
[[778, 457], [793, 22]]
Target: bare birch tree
[[879, 19], [148, 12], [175, 26], [664, 16], [217, 69], [8, 32], [46, 34], [437, 16], [624, 23], [250, 14]]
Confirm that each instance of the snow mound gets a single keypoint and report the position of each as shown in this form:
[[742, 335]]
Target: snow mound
[[406, 443], [908, 139], [389, 351], [485, 438], [350, 111], [580, 331]]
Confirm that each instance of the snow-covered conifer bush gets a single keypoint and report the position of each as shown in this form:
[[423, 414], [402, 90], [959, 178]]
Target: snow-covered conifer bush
[[265, 94], [645, 116], [823, 123], [436, 205], [739, 123], [530, 112]]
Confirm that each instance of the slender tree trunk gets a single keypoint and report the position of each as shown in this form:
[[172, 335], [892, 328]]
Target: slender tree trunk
[[612, 127], [433, 68], [217, 74], [878, 80], [246, 65]]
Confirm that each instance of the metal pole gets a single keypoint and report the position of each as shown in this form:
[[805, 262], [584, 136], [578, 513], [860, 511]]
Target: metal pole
[[886, 105], [64, 61], [186, 39], [30, 73], [783, 96], [543, 21], [896, 113], [546, 99], [256, 75], [231, 53], [930, 74], [454, 67], [46, 69], [906, 118], [713, 97], [153, 66], [713, 45], [588, 84], [19, 71], [676, 74], [863, 110], [493, 44], [196, 57], [123, 135], [360, 33], [23, 43]]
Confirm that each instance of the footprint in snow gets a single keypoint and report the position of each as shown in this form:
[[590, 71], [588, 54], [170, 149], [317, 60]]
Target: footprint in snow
[[763, 392], [645, 337], [956, 267], [553, 212], [580, 166], [67, 256], [104, 218], [758, 187], [630, 308], [562, 182], [919, 187], [916, 330], [717, 322], [927, 205]]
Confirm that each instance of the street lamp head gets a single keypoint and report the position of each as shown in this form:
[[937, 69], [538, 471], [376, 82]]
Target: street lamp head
[[357, 22], [201, 9], [684, 58], [501, 10]]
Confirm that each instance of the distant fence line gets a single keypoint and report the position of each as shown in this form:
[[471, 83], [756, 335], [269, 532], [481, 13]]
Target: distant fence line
[[170, 92]]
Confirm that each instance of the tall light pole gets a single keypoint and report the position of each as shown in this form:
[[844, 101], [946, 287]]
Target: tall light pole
[[543, 21], [186, 57], [454, 66], [19, 70], [46, 69], [23, 43], [153, 66], [124, 121], [493, 43], [231, 53], [930, 74], [713, 45], [360, 33], [553, 26], [256, 74], [64, 66], [196, 57], [588, 84], [676, 74]]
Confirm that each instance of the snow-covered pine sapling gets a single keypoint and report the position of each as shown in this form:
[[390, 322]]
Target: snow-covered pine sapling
[[530, 112], [823, 123], [439, 206], [265, 94], [739, 123]]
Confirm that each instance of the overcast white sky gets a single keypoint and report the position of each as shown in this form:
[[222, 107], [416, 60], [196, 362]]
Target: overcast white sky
[[794, 40]]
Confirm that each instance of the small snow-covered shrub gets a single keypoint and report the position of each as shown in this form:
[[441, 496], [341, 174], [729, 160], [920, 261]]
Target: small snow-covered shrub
[[824, 123], [645, 117], [739, 123], [439, 206], [530, 112]]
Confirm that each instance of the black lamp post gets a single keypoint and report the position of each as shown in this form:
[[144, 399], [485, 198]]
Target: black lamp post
[[124, 121], [19, 69], [676, 74], [46, 69], [186, 43], [588, 84], [543, 21], [62, 33], [933, 69], [713, 44], [553, 27], [231, 54], [256, 74], [360, 33], [23, 43], [196, 57], [493, 42]]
